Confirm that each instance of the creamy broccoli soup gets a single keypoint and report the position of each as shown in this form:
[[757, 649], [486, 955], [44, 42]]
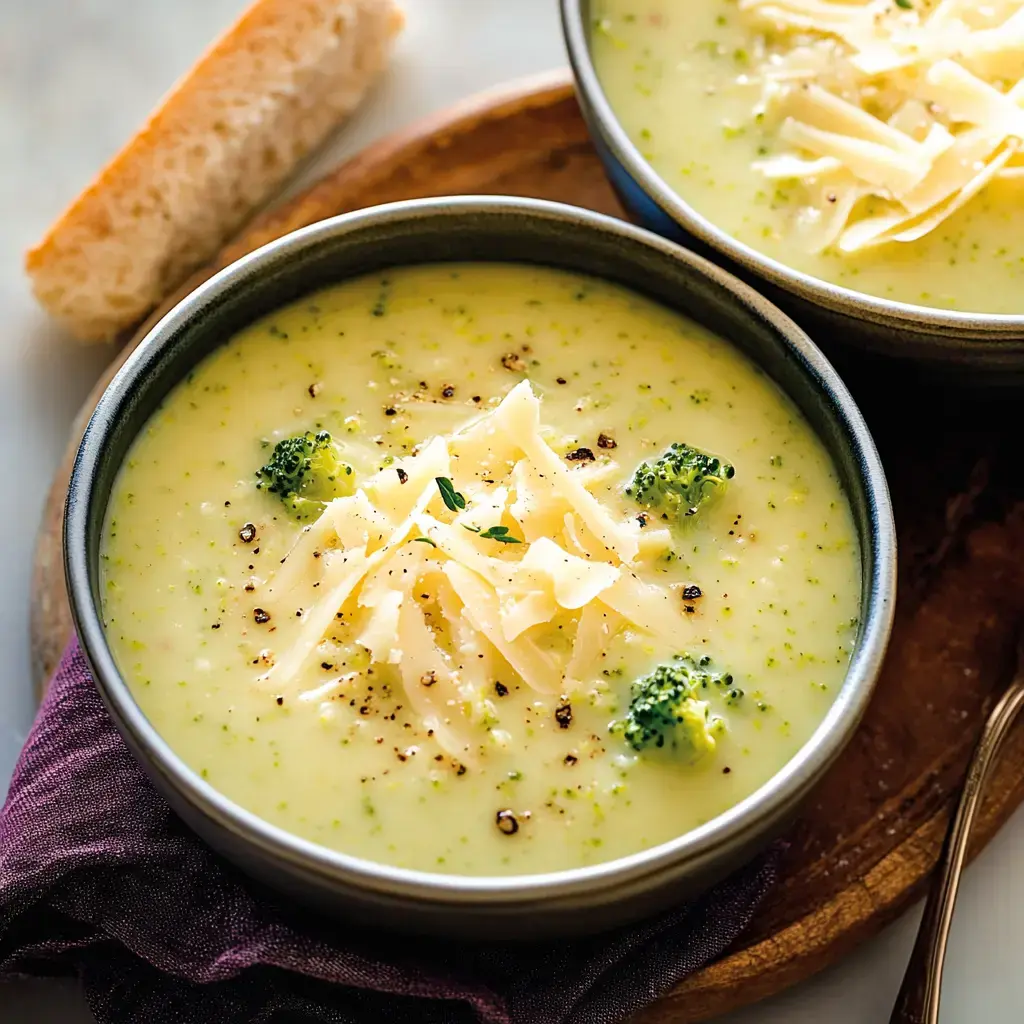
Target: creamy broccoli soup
[[480, 569], [874, 144]]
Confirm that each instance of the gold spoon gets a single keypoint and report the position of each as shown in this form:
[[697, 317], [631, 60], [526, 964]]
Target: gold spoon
[[918, 999]]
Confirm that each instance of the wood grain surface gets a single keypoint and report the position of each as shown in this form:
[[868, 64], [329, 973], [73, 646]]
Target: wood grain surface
[[871, 832]]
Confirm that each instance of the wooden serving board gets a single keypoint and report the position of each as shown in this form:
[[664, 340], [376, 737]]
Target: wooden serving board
[[872, 831]]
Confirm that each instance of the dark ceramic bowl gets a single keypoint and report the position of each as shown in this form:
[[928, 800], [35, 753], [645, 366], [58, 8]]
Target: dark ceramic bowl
[[487, 228], [987, 348]]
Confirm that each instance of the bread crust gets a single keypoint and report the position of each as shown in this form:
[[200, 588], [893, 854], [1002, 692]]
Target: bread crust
[[228, 134]]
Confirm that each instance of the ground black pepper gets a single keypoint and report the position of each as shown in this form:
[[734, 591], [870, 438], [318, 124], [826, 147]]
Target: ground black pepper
[[506, 822], [247, 534], [580, 455], [563, 715], [260, 616]]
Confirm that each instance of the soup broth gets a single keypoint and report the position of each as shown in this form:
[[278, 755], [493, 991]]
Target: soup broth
[[228, 614], [687, 82]]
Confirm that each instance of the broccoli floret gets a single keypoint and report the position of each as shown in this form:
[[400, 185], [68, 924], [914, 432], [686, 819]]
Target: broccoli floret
[[679, 481], [306, 472], [666, 709]]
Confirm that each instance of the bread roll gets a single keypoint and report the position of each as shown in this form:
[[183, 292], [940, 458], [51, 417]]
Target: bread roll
[[263, 96]]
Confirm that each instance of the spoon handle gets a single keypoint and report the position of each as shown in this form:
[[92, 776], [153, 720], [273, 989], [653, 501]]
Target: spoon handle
[[918, 999]]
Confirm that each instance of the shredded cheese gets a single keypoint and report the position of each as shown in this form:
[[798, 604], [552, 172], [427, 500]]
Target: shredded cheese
[[434, 591], [915, 107]]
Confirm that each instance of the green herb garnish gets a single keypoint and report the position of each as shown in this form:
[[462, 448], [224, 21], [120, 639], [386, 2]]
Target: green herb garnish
[[425, 540], [472, 529], [904, 5], [500, 534], [451, 497]]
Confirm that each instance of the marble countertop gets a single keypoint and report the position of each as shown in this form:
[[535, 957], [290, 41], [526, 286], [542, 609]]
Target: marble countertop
[[75, 79]]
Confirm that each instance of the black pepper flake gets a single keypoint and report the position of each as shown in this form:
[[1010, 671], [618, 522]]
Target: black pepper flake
[[561, 380], [448, 391], [403, 477], [477, 398], [461, 770], [260, 615], [506, 822], [428, 678], [726, 770], [570, 759], [501, 689], [691, 592], [250, 587], [581, 455], [247, 534], [689, 609], [326, 666], [513, 361], [604, 441], [314, 389], [390, 410], [216, 625], [643, 519], [563, 715], [280, 701]]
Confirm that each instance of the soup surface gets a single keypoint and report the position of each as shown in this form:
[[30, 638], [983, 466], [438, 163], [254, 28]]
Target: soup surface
[[714, 92], [439, 669]]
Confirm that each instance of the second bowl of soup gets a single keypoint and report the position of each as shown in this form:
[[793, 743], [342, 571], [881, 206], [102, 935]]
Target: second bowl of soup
[[464, 582], [864, 157]]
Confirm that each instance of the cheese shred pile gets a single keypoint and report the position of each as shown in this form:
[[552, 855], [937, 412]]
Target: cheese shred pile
[[894, 114], [396, 571]]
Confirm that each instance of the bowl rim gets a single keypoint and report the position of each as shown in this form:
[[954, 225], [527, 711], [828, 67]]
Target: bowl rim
[[603, 121], [768, 801]]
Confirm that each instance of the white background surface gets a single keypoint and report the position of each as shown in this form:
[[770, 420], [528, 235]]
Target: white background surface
[[76, 76]]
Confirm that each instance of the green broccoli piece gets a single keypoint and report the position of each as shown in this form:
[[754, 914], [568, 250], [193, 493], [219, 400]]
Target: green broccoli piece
[[679, 481], [666, 709], [306, 472]]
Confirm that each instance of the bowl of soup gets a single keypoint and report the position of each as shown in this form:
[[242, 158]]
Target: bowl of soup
[[481, 566], [858, 160]]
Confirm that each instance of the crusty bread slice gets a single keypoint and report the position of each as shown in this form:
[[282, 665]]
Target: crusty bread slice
[[261, 98]]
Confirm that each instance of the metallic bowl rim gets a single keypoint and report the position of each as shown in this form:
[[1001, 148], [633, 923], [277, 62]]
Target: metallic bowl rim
[[780, 791], [604, 123]]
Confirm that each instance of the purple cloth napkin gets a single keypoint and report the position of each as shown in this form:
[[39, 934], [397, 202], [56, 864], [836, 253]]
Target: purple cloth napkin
[[99, 878]]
